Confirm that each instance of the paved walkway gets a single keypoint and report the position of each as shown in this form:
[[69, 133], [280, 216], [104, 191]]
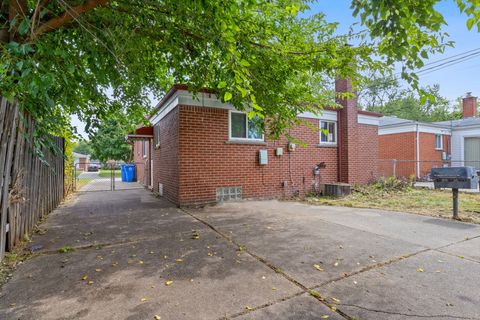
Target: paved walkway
[[137, 257]]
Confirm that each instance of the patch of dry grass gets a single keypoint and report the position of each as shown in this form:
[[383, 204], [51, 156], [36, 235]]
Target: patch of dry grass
[[436, 203]]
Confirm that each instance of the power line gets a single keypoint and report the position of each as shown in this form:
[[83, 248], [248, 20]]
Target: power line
[[448, 64]]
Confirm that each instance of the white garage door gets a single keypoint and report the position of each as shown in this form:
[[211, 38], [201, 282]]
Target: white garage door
[[472, 152]]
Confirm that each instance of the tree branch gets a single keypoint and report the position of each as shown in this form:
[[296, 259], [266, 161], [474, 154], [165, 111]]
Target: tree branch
[[36, 13], [69, 15], [16, 9]]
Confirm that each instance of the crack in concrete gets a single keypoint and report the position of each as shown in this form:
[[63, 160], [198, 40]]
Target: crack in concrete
[[371, 267], [319, 298], [262, 260], [436, 316]]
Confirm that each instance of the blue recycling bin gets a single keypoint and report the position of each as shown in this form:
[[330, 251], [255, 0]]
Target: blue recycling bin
[[128, 172], [122, 170]]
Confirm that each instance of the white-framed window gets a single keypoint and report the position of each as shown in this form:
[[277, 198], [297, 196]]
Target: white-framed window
[[156, 135], [438, 142], [328, 132], [145, 147], [243, 128]]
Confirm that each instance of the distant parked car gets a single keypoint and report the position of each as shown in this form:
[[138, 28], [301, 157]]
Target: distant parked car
[[93, 167]]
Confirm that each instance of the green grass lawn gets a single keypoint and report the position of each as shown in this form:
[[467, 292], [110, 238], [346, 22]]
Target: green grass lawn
[[436, 203], [107, 173]]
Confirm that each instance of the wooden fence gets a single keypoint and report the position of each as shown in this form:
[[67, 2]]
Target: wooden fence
[[30, 186]]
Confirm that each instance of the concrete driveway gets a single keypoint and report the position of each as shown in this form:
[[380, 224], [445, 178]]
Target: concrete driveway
[[137, 257]]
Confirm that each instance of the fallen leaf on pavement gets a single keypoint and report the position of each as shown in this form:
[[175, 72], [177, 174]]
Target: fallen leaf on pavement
[[85, 277], [336, 300], [157, 317], [144, 299], [248, 308], [98, 270], [168, 282], [420, 270], [317, 266], [179, 260], [325, 316]]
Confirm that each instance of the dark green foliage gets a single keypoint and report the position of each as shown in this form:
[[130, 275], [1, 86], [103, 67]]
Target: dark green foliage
[[83, 147], [108, 141], [385, 95], [262, 56]]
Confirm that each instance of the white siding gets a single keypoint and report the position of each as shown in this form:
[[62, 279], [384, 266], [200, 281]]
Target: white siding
[[458, 142]]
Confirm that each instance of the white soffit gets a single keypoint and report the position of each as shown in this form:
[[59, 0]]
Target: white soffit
[[324, 115], [183, 97], [412, 127], [366, 119]]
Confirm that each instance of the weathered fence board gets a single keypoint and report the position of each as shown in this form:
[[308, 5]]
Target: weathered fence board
[[29, 187]]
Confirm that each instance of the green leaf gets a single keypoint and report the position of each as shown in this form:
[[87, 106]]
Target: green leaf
[[221, 84], [227, 96], [24, 26], [470, 23], [244, 63]]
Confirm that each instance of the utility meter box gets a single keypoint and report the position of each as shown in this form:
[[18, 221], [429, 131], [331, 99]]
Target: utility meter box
[[263, 156], [279, 152]]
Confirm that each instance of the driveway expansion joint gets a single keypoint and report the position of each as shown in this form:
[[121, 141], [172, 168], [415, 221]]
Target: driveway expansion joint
[[304, 288]]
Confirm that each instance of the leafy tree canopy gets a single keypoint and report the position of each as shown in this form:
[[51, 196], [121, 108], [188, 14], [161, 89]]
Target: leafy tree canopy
[[108, 141], [386, 96], [95, 58], [83, 147]]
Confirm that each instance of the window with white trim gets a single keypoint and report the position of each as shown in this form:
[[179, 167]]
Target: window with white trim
[[328, 132], [438, 142], [156, 135], [243, 128]]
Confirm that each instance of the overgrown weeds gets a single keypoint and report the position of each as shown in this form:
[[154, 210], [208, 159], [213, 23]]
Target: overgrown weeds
[[385, 185]]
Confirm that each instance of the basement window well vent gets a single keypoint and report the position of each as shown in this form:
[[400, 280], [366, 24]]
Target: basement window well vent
[[229, 194]]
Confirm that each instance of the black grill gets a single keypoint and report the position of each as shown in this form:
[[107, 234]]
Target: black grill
[[455, 178]]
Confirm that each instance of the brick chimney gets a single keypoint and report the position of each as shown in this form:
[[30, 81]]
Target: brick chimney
[[469, 106], [348, 132]]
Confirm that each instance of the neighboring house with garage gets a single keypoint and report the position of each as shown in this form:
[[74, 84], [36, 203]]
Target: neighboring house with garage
[[205, 151], [409, 147]]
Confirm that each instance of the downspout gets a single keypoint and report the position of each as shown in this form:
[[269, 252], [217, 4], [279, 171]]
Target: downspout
[[418, 152], [339, 147]]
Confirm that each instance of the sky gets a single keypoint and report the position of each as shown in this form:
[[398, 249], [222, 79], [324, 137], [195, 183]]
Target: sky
[[454, 80]]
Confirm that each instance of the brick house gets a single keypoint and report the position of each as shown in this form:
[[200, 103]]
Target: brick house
[[409, 147], [204, 151]]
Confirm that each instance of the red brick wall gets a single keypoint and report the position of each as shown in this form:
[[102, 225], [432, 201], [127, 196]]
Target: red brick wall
[[207, 161], [165, 158], [398, 146], [366, 163], [429, 156], [402, 146]]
